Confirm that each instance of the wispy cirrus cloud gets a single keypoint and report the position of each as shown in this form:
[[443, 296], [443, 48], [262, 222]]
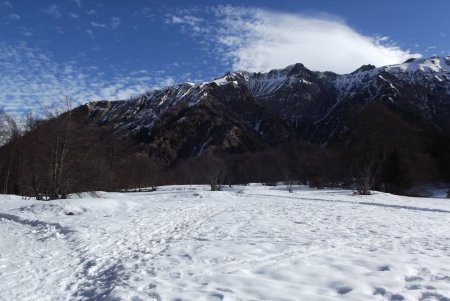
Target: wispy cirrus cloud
[[77, 2], [259, 40], [194, 23], [27, 33], [74, 15], [6, 4], [90, 33], [32, 77], [113, 23], [53, 10], [14, 17], [98, 25]]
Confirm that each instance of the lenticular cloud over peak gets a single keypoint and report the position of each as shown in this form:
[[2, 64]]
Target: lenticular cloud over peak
[[260, 40]]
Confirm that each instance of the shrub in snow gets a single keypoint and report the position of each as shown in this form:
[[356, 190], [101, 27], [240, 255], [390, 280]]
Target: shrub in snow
[[289, 185]]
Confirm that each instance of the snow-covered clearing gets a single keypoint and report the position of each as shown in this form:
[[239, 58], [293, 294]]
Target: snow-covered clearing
[[248, 243]]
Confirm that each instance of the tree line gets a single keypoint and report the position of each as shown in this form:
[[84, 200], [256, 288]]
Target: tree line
[[63, 153]]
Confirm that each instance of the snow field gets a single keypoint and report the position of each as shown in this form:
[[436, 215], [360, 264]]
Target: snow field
[[248, 243]]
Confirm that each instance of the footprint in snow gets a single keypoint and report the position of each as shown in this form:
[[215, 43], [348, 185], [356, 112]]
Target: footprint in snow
[[384, 268], [396, 297], [154, 297], [217, 296], [379, 291], [224, 290], [433, 296], [391, 297], [344, 290], [413, 278]]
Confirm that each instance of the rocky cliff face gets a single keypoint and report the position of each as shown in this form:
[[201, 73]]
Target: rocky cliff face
[[244, 111]]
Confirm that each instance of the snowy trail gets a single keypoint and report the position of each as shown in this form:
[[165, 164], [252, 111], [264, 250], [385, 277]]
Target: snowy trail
[[249, 243], [142, 239]]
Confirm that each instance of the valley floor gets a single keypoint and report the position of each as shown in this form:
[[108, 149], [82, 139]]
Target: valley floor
[[248, 243]]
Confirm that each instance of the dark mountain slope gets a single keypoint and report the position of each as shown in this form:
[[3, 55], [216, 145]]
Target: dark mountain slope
[[244, 111]]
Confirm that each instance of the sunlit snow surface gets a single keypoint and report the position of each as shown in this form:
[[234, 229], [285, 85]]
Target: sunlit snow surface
[[248, 243]]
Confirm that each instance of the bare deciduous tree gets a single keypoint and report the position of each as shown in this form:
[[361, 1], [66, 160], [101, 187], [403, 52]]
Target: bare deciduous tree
[[9, 133], [289, 185], [3, 129], [215, 171], [365, 172]]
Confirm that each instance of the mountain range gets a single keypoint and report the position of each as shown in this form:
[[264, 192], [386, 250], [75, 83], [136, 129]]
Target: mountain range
[[244, 111]]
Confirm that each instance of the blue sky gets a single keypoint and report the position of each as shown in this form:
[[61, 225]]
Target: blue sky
[[91, 50]]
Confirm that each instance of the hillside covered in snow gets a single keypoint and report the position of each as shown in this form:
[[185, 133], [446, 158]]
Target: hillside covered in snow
[[245, 243]]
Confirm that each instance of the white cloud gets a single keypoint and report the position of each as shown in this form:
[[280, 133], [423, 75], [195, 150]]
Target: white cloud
[[60, 29], [186, 19], [90, 33], [194, 23], [74, 16], [14, 17], [98, 25], [53, 10], [382, 39], [167, 81], [260, 40], [77, 2], [7, 4], [115, 22], [31, 77]]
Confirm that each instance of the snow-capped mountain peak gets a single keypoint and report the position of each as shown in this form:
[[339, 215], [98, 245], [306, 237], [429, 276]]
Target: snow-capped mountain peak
[[435, 64], [316, 103]]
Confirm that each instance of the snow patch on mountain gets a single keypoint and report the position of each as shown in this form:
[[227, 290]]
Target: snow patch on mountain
[[292, 84]]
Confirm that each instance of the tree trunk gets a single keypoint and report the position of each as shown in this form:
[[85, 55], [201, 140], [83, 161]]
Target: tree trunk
[[8, 171]]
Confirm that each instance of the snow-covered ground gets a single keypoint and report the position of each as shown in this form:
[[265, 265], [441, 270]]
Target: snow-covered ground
[[248, 243]]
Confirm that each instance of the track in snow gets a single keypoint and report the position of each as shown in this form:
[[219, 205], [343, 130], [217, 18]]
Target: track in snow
[[250, 243]]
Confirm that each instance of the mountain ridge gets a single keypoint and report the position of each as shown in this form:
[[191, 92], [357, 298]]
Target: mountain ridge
[[272, 107]]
